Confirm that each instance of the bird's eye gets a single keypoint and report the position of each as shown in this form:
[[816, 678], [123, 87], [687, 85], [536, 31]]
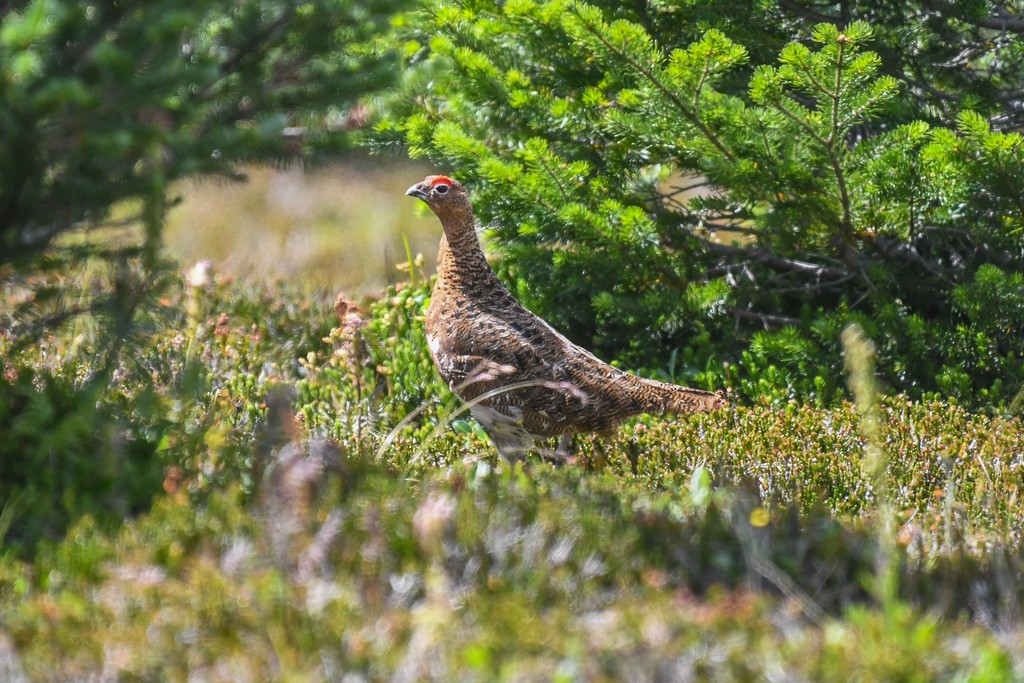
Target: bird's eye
[[441, 189]]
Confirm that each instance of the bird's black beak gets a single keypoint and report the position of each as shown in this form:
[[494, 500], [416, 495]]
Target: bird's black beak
[[415, 191]]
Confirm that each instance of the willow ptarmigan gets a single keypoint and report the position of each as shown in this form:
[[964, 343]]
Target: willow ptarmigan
[[522, 379]]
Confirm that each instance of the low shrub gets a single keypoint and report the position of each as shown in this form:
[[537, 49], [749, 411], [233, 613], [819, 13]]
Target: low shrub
[[325, 511]]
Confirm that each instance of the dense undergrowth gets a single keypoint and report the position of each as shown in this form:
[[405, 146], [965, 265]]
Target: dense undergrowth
[[277, 487]]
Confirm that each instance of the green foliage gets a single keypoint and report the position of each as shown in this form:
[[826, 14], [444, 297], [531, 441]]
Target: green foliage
[[103, 106], [740, 543], [63, 456], [377, 355], [80, 437], [733, 184]]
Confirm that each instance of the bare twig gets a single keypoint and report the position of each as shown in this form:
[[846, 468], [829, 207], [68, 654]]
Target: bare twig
[[763, 256], [769, 320]]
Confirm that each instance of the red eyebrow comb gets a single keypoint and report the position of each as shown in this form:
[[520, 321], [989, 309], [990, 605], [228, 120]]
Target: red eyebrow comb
[[436, 179]]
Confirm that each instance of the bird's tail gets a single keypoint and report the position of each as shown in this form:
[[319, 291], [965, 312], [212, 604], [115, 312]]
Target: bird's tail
[[662, 397]]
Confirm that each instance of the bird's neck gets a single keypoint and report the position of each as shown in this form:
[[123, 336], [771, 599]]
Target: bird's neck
[[461, 261]]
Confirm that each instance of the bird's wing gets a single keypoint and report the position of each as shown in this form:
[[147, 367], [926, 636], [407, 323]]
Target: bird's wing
[[524, 369]]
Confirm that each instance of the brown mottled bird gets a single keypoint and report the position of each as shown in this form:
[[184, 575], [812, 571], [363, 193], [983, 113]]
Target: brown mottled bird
[[521, 378]]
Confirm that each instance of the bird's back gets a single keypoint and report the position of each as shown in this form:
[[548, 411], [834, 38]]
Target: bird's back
[[483, 340]]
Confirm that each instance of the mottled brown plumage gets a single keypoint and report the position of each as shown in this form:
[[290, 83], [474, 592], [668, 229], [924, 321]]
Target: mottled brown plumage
[[523, 379]]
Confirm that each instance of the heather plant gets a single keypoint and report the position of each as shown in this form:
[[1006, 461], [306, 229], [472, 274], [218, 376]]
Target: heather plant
[[855, 163], [287, 528], [84, 439], [103, 107]]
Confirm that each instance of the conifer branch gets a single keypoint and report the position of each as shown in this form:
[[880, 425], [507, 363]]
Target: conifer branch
[[672, 97], [834, 140], [763, 256]]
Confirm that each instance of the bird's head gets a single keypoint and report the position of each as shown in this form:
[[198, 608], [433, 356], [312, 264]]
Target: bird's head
[[446, 197]]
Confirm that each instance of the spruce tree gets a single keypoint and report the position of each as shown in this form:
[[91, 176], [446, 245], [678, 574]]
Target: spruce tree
[[104, 105], [714, 190]]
